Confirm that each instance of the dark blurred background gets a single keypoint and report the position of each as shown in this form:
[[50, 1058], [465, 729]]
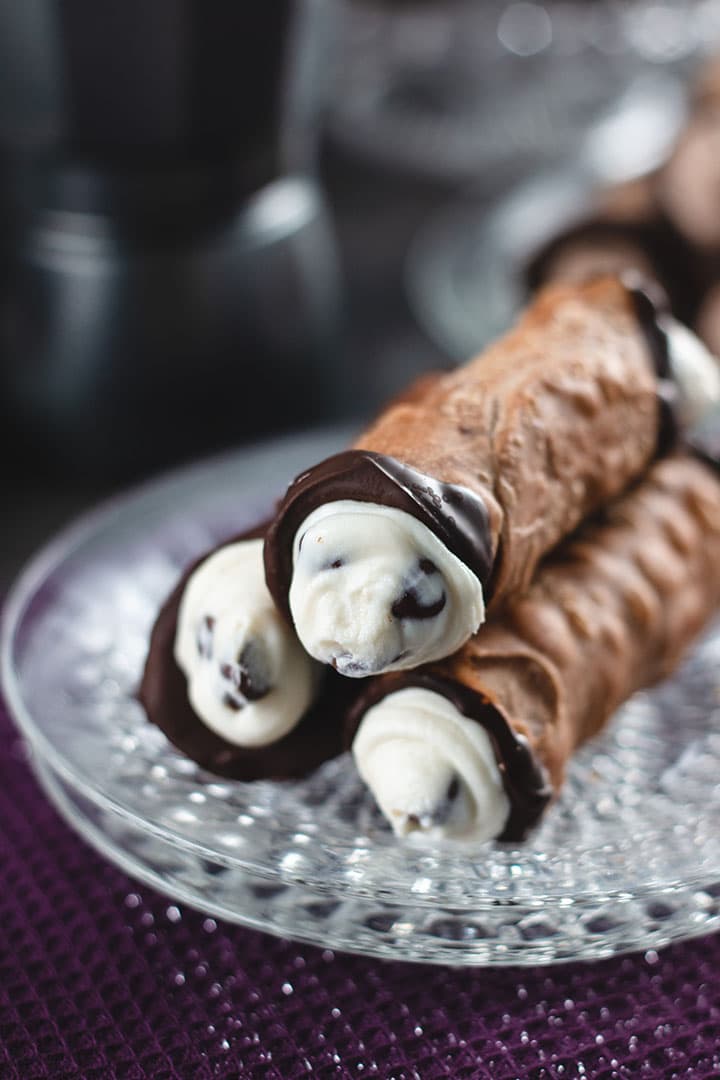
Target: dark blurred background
[[219, 221]]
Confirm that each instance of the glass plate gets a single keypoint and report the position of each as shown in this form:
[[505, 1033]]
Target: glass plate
[[628, 858]]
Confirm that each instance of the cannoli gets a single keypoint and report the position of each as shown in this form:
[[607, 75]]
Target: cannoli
[[625, 231], [665, 224], [476, 746], [688, 185], [226, 679], [386, 556]]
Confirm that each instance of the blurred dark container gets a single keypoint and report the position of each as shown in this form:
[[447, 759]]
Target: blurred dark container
[[171, 288], [116, 79]]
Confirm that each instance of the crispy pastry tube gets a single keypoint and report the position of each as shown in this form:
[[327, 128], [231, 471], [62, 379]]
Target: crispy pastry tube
[[385, 556], [476, 745], [624, 231], [664, 224]]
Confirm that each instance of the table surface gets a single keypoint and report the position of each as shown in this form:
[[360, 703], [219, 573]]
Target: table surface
[[101, 977]]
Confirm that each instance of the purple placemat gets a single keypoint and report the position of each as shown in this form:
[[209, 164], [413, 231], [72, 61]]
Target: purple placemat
[[101, 977]]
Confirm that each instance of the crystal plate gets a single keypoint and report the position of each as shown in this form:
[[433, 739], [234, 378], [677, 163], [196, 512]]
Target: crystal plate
[[628, 858]]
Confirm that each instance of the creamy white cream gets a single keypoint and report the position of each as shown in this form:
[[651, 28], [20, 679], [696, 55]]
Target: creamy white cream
[[695, 370], [249, 679], [431, 770], [374, 590]]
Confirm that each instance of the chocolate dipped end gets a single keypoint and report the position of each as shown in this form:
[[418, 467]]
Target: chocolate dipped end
[[163, 694], [652, 309], [645, 243], [524, 779], [701, 437], [589, 249], [456, 516]]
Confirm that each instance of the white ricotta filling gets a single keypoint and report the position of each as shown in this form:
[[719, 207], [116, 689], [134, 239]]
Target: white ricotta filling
[[249, 679], [696, 373], [431, 770], [375, 590]]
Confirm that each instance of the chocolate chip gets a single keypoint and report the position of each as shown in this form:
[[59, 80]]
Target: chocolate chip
[[250, 674], [255, 680], [204, 638], [442, 813], [232, 703], [411, 604], [334, 565]]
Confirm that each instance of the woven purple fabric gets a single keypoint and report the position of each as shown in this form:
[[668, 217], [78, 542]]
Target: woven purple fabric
[[100, 977]]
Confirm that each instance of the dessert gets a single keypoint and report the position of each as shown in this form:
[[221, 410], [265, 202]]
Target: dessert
[[604, 244], [476, 746], [226, 679], [688, 185], [665, 224], [386, 556]]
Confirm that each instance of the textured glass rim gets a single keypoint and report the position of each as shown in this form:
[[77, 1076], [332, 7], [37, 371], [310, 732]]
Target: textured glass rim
[[51, 557], [454, 953]]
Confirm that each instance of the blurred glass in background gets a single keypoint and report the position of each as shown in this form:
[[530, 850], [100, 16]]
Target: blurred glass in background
[[448, 108], [170, 281], [466, 91], [169, 273]]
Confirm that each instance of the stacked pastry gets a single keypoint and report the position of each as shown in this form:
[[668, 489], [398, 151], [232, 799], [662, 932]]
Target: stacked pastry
[[665, 224], [471, 590]]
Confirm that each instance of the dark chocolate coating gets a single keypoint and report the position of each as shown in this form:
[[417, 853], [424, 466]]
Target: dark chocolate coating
[[527, 785], [652, 308], [457, 516], [703, 439], [163, 694], [681, 273]]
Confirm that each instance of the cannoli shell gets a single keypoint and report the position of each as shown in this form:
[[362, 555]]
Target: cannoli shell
[[548, 423], [627, 230], [612, 611]]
